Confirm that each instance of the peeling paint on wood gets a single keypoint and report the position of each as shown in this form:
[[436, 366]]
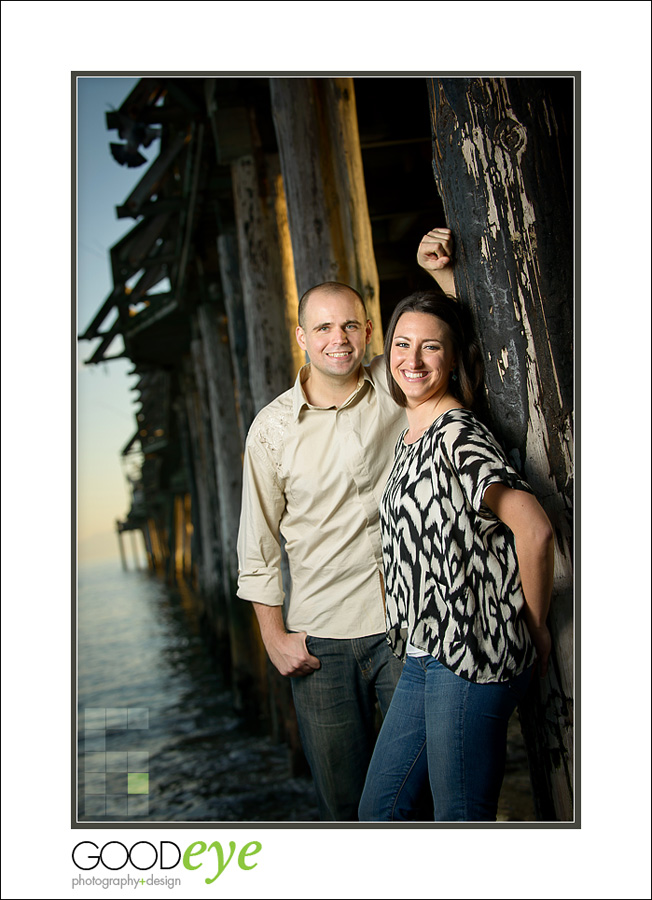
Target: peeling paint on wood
[[501, 163]]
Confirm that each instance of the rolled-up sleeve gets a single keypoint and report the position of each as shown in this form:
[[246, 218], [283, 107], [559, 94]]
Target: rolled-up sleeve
[[259, 549]]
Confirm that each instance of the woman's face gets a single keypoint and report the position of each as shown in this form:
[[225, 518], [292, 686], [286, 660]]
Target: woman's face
[[421, 357]]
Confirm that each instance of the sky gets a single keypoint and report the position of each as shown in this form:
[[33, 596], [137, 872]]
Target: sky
[[42, 43], [106, 405]]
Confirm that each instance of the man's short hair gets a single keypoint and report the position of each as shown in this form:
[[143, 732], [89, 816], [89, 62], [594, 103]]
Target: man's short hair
[[332, 287]]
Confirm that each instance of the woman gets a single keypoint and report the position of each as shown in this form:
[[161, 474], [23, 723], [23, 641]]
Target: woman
[[468, 556]]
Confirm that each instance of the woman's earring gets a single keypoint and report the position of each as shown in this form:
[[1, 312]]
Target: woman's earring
[[454, 375]]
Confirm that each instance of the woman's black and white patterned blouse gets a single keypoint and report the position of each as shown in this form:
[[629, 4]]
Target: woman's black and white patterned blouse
[[451, 573]]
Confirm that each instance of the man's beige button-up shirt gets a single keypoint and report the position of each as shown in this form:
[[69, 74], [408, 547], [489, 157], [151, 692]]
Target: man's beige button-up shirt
[[315, 476]]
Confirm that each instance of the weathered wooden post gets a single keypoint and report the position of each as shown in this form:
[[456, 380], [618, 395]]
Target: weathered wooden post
[[227, 450], [270, 303], [503, 165], [134, 549], [319, 145], [149, 551], [227, 250], [207, 511], [157, 545], [259, 315], [118, 532]]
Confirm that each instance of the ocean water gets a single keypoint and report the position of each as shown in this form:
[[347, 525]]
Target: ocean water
[[158, 739]]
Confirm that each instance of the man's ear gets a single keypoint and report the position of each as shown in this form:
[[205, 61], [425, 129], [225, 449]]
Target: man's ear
[[369, 327], [301, 337]]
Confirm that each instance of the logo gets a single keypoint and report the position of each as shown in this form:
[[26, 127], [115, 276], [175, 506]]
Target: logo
[[143, 855]]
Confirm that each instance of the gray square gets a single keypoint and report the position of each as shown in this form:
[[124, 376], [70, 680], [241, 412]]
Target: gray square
[[138, 804], [94, 718], [94, 741], [94, 762], [94, 783], [117, 740], [138, 761], [116, 718], [95, 806], [116, 762], [138, 717], [116, 805], [116, 783]]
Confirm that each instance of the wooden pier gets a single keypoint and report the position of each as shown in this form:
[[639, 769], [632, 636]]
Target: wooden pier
[[264, 187]]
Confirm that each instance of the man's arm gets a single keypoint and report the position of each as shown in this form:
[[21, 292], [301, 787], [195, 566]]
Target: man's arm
[[259, 563], [287, 651], [435, 256]]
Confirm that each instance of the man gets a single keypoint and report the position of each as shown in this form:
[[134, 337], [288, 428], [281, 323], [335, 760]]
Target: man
[[316, 461]]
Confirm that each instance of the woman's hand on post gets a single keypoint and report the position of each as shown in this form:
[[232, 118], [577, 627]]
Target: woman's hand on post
[[434, 256], [436, 249]]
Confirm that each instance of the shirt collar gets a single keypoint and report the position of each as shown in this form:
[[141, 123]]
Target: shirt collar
[[299, 399]]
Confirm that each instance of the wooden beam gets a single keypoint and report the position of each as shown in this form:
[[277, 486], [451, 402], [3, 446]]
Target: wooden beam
[[266, 295], [112, 300], [504, 169], [227, 248], [107, 339], [319, 145], [148, 183]]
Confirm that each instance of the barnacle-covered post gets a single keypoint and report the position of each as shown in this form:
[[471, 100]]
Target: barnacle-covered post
[[502, 158]]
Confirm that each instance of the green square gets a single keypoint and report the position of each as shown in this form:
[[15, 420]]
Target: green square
[[137, 783]]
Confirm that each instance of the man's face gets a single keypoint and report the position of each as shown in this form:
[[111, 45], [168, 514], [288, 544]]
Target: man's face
[[335, 333]]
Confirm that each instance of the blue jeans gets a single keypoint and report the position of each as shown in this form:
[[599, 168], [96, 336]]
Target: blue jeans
[[336, 714], [446, 730]]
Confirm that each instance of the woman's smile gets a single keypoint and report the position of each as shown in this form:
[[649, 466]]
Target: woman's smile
[[413, 376]]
